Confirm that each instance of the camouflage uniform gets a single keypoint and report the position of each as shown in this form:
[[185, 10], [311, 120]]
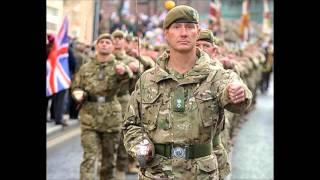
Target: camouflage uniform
[[100, 121], [123, 97], [146, 61], [218, 150], [163, 92]]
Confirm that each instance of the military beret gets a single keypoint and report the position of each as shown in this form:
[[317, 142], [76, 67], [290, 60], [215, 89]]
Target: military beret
[[129, 38], [218, 41], [118, 33], [206, 35], [103, 36], [181, 13]]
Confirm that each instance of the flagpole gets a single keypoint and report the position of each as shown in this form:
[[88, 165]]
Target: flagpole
[[96, 19]]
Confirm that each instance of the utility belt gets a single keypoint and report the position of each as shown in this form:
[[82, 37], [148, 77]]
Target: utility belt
[[183, 151], [101, 99]]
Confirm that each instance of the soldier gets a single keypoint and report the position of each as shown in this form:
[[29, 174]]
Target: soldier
[[96, 86], [206, 42], [132, 50], [177, 107], [123, 95]]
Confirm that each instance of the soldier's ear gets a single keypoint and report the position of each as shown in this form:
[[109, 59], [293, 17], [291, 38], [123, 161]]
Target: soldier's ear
[[199, 29], [165, 33]]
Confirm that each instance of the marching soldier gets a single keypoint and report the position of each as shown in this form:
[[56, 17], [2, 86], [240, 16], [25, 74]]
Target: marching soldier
[[175, 115], [95, 87]]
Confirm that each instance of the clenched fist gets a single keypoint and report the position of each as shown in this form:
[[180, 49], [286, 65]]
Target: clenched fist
[[120, 69], [133, 53], [227, 63], [134, 66], [236, 92], [78, 95]]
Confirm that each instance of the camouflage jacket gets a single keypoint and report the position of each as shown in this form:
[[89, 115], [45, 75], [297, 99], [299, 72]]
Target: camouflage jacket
[[100, 79], [204, 97], [126, 59], [146, 61]]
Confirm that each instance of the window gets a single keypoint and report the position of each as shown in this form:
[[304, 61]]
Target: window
[[51, 26], [52, 11]]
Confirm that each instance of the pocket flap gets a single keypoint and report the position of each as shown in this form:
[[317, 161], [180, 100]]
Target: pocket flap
[[208, 163], [204, 96], [150, 98]]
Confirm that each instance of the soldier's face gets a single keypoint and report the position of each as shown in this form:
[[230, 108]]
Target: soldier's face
[[126, 45], [118, 43], [104, 47], [131, 45], [206, 47], [182, 36], [221, 49]]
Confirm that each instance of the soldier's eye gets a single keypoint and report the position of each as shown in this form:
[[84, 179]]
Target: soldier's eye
[[176, 25], [190, 26]]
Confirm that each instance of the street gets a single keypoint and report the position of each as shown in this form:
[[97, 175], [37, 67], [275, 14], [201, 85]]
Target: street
[[64, 154], [252, 154]]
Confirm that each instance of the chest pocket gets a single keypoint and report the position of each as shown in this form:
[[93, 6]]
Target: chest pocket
[[111, 79], [208, 108], [151, 103], [88, 80]]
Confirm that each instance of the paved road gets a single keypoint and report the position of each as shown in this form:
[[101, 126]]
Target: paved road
[[252, 157], [64, 155]]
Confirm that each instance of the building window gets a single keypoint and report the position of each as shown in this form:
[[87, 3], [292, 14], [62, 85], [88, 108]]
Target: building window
[[52, 11], [51, 26]]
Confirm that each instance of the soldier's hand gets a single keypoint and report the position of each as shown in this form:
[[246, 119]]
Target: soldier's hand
[[133, 53], [144, 153], [120, 69], [227, 63], [78, 95], [236, 92], [134, 66]]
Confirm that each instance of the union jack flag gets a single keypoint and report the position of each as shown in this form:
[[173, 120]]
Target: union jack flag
[[58, 73], [215, 11]]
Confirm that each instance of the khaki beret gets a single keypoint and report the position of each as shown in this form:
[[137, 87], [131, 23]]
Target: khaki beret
[[103, 36], [129, 37], [206, 35], [181, 13], [118, 33], [218, 41]]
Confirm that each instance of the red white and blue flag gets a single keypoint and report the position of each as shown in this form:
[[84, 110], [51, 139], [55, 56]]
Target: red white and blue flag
[[215, 12], [58, 73]]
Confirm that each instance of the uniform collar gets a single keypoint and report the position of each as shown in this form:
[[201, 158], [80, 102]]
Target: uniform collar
[[120, 55], [198, 72], [110, 60]]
